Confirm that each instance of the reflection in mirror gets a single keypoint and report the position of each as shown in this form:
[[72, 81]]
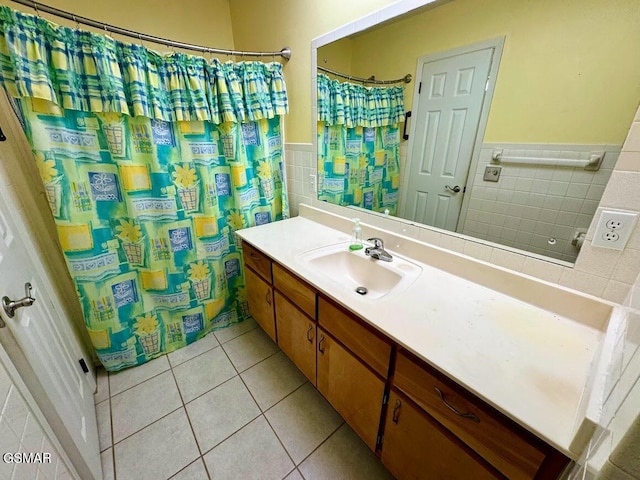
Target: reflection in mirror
[[518, 111]]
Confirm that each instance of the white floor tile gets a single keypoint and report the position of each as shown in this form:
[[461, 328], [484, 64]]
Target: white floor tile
[[221, 412], [202, 373], [249, 348], [103, 414], [303, 421], [159, 451], [195, 471], [343, 455], [137, 407], [272, 380], [225, 334], [252, 453], [106, 458], [124, 379], [190, 351]]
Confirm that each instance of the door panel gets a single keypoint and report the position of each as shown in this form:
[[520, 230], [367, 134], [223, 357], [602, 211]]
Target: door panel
[[447, 117], [45, 339]]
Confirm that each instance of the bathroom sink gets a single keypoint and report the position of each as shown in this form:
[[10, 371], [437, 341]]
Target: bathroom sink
[[354, 270]]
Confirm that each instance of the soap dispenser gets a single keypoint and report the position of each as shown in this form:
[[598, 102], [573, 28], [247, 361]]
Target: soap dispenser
[[356, 238]]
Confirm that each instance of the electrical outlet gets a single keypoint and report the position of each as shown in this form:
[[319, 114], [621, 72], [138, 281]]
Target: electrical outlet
[[614, 229]]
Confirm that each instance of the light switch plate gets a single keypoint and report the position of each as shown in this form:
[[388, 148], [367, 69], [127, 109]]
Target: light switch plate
[[614, 229], [491, 173]]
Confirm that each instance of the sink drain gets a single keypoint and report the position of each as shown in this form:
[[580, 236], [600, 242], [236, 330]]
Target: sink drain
[[361, 290]]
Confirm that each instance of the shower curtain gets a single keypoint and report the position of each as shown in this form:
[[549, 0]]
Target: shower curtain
[[359, 144], [150, 164]]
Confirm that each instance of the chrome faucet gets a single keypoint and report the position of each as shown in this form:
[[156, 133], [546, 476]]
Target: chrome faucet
[[377, 251]]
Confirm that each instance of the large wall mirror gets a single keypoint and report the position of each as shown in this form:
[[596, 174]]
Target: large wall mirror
[[522, 110]]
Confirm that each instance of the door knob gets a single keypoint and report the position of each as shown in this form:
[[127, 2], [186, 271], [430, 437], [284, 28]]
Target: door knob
[[10, 306], [454, 189]]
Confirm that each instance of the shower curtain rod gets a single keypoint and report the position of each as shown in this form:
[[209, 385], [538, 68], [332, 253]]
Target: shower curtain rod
[[372, 79], [284, 53]]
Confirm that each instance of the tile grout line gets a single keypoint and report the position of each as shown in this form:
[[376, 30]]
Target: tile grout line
[[113, 446], [322, 443], [186, 413]]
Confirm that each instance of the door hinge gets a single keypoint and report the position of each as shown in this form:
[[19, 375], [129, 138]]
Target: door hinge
[[385, 399], [464, 189], [486, 85], [419, 88], [83, 364], [379, 441]]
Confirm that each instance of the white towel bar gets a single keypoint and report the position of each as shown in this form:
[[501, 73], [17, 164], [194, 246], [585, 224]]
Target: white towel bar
[[593, 163]]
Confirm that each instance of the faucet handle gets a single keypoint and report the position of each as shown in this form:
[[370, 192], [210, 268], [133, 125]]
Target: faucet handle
[[377, 242]]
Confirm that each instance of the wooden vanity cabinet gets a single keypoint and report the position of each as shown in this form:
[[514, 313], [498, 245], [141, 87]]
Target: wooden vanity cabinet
[[429, 427], [416, 447], [352, 388]]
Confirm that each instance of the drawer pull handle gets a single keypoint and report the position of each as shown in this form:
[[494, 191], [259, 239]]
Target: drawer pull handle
[[309, 334], [396, 412], [267, 297], [470, 416], [320, 344]]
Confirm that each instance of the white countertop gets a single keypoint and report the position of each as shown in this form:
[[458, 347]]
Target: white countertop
[[530, 363]]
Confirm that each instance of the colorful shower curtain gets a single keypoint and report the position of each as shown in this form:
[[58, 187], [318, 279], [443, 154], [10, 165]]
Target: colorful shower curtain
[[145, 193], [359, 144]]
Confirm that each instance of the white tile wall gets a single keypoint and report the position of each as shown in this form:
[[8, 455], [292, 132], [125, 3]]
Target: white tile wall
[[616, 442], [300, 165], [21, 432], [531, 204]]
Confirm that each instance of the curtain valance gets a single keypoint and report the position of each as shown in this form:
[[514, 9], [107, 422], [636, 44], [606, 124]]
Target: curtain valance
[[80, 70], [354, 105]]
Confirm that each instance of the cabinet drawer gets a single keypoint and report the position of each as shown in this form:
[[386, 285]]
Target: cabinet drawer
[[296, 290], [491, 436], [372, 349], [417, 447], [258, 261]]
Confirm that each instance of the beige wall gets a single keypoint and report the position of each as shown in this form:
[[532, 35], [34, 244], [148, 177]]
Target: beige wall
[[202, 22], [556, 73], [272, 25]]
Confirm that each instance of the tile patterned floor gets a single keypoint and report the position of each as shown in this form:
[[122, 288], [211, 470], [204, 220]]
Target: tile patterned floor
[[230, 406]]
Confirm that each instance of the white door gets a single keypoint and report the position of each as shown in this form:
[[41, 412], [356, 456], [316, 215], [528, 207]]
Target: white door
[[449, 107], [47, 342]]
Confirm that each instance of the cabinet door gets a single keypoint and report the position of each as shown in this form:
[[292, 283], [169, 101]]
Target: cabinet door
[[417, 447], [260, 296], [296, 336], [353, 390]]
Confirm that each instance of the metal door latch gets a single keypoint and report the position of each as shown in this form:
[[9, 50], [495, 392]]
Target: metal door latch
[[10, 306]]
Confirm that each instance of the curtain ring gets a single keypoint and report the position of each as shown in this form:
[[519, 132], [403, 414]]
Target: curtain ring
[[75, 20], [35, 7], [140, 39]]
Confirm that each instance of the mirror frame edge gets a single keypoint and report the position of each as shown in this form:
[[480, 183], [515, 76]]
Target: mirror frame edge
[[360, 24]]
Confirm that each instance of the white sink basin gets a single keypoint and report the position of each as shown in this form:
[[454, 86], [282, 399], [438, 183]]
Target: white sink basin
[[354, 269]]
